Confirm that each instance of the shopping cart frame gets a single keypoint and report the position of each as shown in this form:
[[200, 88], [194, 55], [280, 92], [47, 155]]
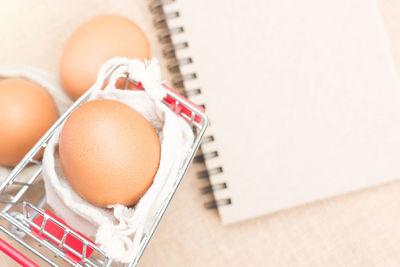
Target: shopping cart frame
[[22, 224]]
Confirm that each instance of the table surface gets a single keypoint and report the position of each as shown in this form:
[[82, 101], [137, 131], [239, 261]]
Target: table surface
[[358, 229]]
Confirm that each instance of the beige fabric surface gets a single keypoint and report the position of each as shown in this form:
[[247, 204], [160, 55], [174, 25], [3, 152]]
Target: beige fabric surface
[[34, 32], [358, 229]]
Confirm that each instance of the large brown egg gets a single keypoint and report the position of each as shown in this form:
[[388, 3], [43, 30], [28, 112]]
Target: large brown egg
[[109, 152], [92, 44], [27, 111]]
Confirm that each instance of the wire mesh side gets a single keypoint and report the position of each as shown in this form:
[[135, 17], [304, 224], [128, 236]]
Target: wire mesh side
[[61, 242]]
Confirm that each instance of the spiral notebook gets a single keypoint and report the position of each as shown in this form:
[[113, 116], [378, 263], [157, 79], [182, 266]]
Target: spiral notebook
[[302, 97]]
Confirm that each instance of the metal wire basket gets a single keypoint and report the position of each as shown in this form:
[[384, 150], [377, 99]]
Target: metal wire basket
[[23, 216]]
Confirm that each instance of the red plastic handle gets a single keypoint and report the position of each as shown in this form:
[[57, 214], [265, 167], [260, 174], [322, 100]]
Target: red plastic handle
[[16, 255]]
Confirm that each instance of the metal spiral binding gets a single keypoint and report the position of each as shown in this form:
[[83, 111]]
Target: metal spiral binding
[[216, 203], [205, 156], [169, 51]]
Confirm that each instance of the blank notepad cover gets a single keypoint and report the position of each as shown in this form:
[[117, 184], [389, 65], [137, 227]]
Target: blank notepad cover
[[302, 96]]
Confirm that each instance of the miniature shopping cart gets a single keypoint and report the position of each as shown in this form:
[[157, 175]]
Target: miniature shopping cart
[[24, 217]]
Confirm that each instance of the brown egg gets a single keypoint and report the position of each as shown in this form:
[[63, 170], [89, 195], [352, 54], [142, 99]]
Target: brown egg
[[109, 152], [27, 111], [92, 44]]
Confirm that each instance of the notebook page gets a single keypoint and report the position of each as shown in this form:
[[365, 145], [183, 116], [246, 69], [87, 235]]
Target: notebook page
[[302, 96]]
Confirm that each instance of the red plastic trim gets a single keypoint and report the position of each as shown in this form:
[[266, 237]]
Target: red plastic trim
[[178, 109], [16, 255], [58, 232]]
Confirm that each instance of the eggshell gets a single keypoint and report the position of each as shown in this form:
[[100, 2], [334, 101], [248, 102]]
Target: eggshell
[[109, 152], [27, 111], [92, 44]]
